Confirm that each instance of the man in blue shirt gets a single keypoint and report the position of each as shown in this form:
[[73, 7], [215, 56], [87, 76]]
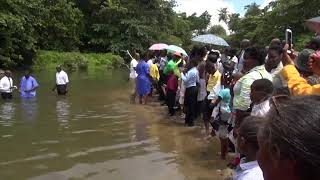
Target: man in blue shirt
[[28, 85], [190, 79]]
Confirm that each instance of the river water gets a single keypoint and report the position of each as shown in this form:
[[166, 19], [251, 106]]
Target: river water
[[94, 133]]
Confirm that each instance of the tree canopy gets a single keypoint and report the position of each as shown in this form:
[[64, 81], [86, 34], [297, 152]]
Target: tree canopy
[[116, 25], [262, 25], [91, 26]]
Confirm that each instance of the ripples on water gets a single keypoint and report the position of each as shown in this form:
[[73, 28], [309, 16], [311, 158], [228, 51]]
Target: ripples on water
[[97, 135]]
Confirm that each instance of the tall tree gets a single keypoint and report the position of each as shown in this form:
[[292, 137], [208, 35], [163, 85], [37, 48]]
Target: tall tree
[[217, 30]]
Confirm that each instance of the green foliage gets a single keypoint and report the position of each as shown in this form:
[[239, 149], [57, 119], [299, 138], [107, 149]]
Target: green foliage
[[217, 30], [91, 26], [73, 60], [28, 25], [262, 25]]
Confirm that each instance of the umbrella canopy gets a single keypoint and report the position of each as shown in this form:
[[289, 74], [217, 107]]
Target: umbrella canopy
[[210, 39], [313, 24], [174, 49], [159, 46]]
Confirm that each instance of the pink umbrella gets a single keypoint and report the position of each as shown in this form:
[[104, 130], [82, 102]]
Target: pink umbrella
[[159, 46], [313, 24]]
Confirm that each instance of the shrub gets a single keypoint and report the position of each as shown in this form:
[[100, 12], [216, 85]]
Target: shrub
[[74, 60]]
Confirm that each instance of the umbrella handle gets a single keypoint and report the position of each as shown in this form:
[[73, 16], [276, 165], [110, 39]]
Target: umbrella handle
[[129, 54]]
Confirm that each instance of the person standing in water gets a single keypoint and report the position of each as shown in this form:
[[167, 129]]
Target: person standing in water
[[132, 77], [28, 85], [143, 79], [62, 81], [190, 78], [6, 85]]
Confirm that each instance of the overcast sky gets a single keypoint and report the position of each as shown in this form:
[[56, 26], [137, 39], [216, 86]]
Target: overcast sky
[[212, 6]]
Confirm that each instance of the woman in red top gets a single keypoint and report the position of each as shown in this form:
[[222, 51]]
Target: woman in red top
[[171, 89]]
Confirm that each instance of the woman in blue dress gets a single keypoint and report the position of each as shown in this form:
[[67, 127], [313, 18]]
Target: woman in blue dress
[[143, 80]]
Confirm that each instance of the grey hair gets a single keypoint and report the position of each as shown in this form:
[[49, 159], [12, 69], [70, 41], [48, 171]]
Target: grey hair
[[293, 128]]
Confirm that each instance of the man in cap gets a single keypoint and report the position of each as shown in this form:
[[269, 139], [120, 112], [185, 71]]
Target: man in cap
[[62, 81]]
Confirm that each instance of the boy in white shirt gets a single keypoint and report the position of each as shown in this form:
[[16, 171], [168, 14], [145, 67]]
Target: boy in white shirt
[[247, 144], [261, 91], [62, 81]]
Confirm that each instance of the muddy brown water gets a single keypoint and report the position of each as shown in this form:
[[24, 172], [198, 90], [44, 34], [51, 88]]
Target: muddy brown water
[[94, 133]]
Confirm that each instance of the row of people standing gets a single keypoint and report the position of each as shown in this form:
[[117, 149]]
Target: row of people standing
[[238, 94], [29, 85]]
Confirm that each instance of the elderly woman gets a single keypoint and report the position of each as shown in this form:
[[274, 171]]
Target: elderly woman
[[254, 69], [288, 141]]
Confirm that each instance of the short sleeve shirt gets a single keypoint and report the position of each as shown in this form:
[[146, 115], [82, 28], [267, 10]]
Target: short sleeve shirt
[[28, 84], [133, 65], [62, 78]]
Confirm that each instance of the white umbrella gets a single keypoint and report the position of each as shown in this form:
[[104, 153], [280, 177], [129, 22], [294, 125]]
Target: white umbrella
[[210, 39]]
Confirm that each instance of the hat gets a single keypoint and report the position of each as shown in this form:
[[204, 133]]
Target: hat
[[302, 60]]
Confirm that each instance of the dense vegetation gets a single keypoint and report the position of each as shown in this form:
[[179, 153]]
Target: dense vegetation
[[77, 60], [261, 25], [90, 26], [102, 26]]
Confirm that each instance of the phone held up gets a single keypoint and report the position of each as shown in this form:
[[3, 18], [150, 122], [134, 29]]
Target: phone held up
[[289, 38]]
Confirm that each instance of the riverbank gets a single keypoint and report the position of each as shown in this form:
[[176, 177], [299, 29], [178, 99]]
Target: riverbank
[[77, 60]]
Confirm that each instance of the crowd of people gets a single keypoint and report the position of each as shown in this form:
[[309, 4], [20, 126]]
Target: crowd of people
[[260, 102], [29, 85]]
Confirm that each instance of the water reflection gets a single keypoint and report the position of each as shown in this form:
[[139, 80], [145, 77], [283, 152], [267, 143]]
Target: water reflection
[[29, 109], [7, 110], [63, 111]]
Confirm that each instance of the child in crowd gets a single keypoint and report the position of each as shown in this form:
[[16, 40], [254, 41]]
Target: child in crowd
[[247, 144], [155, 76], [261, 91], [213, 87], [171, 90], [223, 113]]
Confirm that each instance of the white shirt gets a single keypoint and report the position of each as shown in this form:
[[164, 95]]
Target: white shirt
[[260, 110], [150, 62], [248, 171], [133, 64], [214, 92], [241, 60], [62, 78], [276, 70], [202, 91], [278, 80], [236, 61], [6, 83], [220, 66]]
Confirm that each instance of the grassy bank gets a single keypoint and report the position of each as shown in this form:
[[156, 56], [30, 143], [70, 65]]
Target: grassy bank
[[77, 60]]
